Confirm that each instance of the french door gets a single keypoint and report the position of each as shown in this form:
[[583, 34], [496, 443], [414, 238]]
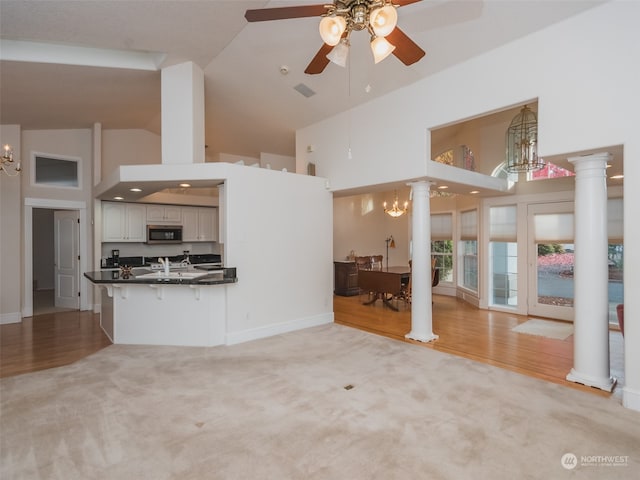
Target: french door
[[550, 258]]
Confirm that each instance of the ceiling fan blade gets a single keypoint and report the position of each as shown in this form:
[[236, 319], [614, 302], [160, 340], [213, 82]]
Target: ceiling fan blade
[[281, 13], [407, 51], [402, 3], [320, 61]]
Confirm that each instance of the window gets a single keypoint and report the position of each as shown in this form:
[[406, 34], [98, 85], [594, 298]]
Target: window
[[55, 171], [550, 170], [503, 250], [442, 253], [442, 245], [469, 249], [615, 255]]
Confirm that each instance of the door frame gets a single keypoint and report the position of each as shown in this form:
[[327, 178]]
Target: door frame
[[27, 288]]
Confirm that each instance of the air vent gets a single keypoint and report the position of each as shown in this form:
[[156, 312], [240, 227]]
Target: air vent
[[304, 90]]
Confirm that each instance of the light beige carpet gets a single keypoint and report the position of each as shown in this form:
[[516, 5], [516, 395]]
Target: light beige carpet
[[545, 328], [278, 408]]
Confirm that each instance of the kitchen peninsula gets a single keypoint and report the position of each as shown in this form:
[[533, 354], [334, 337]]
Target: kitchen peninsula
[[185, 307]]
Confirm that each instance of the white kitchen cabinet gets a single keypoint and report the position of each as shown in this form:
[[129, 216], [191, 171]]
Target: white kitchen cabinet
[[164, 214], [123, 222], [199, 224]]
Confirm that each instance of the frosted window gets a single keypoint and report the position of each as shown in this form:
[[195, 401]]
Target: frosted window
[[56, 172]]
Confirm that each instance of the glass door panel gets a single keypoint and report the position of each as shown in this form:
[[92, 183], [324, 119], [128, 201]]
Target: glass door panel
[[616, 269], [555, 274]]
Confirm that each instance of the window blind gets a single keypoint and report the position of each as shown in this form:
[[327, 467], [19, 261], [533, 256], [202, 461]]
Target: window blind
[[553, 228], [503, 223], [469, 225], [441, 226], [615, 224]]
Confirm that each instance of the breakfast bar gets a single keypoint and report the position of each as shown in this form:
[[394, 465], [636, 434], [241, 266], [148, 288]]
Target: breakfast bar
[[182, 307]]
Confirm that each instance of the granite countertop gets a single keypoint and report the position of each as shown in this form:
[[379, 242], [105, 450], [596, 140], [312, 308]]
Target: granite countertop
[[146, 276]]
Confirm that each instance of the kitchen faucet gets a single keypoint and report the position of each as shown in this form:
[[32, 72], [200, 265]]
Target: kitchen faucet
[[165, 264]]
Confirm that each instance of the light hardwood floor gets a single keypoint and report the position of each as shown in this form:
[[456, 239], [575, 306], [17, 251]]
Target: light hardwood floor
[[51, 340], [481, 335]]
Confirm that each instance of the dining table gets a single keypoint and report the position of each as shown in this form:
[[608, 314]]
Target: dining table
[[384, 283]]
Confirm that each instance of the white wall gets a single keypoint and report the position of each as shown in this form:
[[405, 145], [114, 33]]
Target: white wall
[[360, 224], [278, 233], [584, 73], [64, 143], [10, 226], [230, 158], [277, 162], [129, 147], [67, 144]]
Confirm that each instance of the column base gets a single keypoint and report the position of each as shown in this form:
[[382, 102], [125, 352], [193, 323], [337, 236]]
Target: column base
[[421, 338], [606, 384]]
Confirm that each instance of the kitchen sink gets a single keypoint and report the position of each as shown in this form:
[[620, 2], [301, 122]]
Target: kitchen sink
[[173, 275]]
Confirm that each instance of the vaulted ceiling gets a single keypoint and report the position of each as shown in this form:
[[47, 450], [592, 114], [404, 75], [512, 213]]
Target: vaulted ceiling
[[251, 69]]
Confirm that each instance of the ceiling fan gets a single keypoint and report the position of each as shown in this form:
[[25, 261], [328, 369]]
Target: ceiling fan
[[339, 19]]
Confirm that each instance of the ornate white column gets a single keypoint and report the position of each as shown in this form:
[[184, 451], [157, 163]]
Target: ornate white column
[[590, 278], [421, 308]]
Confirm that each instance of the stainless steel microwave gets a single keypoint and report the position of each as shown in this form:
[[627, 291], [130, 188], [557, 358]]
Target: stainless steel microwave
[[164, 233]]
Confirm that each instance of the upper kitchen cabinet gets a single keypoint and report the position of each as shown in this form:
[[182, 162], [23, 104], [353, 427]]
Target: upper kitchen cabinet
[[164, 214], [199, 224], [123, 222]]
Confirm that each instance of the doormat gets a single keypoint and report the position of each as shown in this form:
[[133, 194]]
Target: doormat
[[545, 328]]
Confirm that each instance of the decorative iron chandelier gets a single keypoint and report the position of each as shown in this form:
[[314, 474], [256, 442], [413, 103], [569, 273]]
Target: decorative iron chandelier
[[9, 166], [522, 143], [395, 211], [378, 17]]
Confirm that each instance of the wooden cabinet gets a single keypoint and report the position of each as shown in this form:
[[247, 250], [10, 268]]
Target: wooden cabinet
[[164, 214], [199, 224], [346, 279], [123, 222]]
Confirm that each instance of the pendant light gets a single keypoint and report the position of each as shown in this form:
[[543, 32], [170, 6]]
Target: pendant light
[[522, 143]]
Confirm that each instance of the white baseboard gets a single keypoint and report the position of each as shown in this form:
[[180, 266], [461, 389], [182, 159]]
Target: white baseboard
[[278, 328], [13, 317], [631, 398]]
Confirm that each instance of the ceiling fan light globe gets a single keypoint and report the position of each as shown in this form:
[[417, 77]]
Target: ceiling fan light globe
[[383, 20], [339, 53], [381, 49], [331, 29]]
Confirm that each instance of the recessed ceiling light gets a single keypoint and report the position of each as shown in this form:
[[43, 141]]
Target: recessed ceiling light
[[135, 189], [118, 198], [185, 185], [617, 177], [473, 192], [443, 187]]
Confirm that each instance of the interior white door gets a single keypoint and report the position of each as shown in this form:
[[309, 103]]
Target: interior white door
[[66, 247]]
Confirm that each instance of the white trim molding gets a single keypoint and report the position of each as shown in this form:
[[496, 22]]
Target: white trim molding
[[277, 329], [29, 205], [13, 317], [631, 398]]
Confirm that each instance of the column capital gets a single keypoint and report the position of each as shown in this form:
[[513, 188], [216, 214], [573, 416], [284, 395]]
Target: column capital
[[591, 160], [420, 184]]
